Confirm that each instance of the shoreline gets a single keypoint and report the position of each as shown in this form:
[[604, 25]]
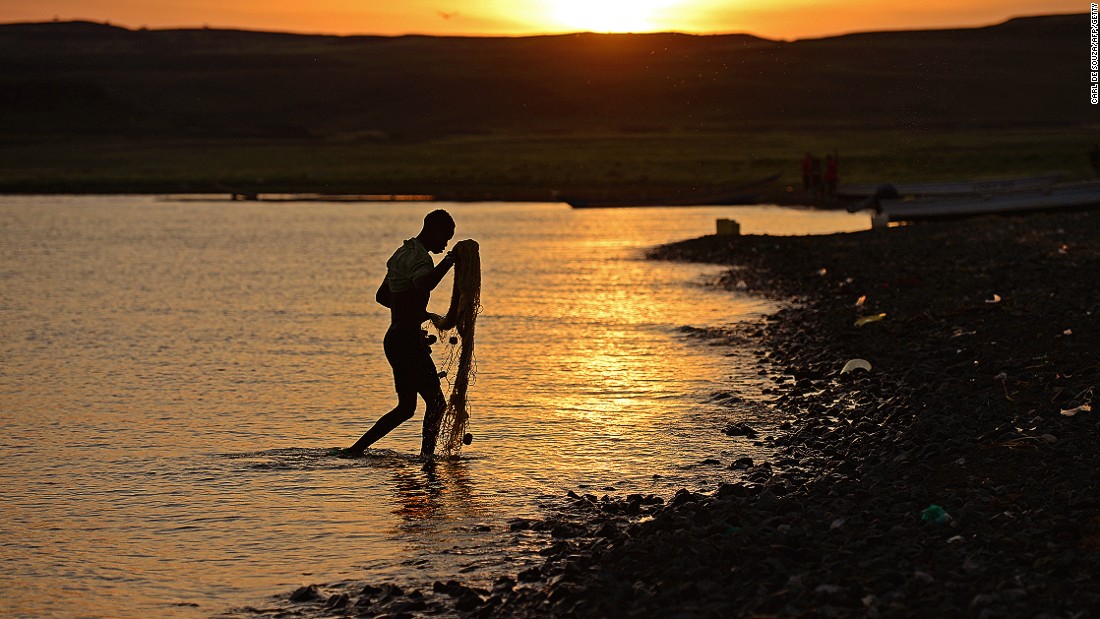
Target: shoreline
[[986, 348], [778, 196], [956, 476]]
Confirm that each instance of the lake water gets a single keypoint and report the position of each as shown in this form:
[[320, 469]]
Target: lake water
[[173, 374]]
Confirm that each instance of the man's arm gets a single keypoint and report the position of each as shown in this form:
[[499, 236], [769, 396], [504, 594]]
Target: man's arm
[[384, 296], [427, 283]]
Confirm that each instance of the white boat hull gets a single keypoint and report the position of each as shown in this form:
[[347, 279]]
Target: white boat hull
[[960, 188], [1071, 196]]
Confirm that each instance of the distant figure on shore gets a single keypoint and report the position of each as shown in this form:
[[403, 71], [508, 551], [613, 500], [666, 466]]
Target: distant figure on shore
[[832, 174], [410, 278], [815, 176], [1094, 159]]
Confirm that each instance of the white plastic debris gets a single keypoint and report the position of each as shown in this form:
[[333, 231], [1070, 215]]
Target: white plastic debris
[[862, 320], [1070, 412], [856, 364]]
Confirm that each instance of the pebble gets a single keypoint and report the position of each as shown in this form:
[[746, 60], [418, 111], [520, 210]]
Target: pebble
[[305, 594], [742, 463]]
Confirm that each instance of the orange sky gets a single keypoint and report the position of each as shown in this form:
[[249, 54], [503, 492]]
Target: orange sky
[[782, 19]]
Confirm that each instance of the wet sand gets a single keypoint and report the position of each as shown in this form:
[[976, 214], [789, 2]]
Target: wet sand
[[956, 477]]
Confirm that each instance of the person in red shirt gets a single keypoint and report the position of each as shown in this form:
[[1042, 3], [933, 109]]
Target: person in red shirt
[[807, 166]]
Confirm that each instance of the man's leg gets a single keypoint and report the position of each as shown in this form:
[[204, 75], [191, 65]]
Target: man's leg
[[436, 405], [406, 406]]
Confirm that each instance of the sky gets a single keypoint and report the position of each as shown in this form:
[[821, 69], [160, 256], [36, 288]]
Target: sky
[[776, 19]]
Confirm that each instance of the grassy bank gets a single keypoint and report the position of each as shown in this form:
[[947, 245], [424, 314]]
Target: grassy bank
[[534, 167]]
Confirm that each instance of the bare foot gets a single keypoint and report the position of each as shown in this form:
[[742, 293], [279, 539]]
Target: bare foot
[[428, 460]]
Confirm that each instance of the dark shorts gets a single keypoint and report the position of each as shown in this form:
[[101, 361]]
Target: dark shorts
[[411, 359]]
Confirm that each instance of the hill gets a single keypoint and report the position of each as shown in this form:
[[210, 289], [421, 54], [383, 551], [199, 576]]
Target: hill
[[83, 81]]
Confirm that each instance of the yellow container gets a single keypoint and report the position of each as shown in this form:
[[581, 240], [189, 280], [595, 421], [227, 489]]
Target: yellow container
[[729, 227]]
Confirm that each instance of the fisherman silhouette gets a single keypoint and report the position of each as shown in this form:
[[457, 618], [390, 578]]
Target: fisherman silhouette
[[410, 278]]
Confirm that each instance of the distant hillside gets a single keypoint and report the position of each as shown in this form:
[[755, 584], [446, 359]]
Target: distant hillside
[[83, 78]]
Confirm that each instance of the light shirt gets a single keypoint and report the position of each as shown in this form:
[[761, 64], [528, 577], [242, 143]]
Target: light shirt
[[409, 263]]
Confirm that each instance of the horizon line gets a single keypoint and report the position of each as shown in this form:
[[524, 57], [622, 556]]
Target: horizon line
[[144, 28]]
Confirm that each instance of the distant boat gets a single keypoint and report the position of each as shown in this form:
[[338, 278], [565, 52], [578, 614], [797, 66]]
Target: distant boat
[[299, 197], [1058, 197], [338, 197], [953, 188], [738, 194]]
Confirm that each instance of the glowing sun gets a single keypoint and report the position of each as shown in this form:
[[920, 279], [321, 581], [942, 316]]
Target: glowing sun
[[609, 15]]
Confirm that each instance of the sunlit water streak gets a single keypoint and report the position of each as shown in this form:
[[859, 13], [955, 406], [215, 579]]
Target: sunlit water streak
[[174, 373]]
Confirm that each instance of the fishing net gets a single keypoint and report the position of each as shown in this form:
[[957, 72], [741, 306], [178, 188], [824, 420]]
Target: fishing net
[[460, 319]]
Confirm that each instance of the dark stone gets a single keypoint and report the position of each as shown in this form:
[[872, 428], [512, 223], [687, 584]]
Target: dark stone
[[308, 593], [609, 530], [684, 496], [469, 601], [451, 587], [337, 601], [519, 524], [529, 575], [566, 530], [742, 463]]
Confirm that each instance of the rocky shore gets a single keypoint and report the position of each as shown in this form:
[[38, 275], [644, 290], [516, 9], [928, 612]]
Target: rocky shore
[[955, 477]]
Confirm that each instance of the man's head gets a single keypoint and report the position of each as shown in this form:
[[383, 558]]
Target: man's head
[[438, 230]]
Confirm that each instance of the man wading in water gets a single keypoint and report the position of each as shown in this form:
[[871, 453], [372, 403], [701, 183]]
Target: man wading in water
[[410, 279]]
